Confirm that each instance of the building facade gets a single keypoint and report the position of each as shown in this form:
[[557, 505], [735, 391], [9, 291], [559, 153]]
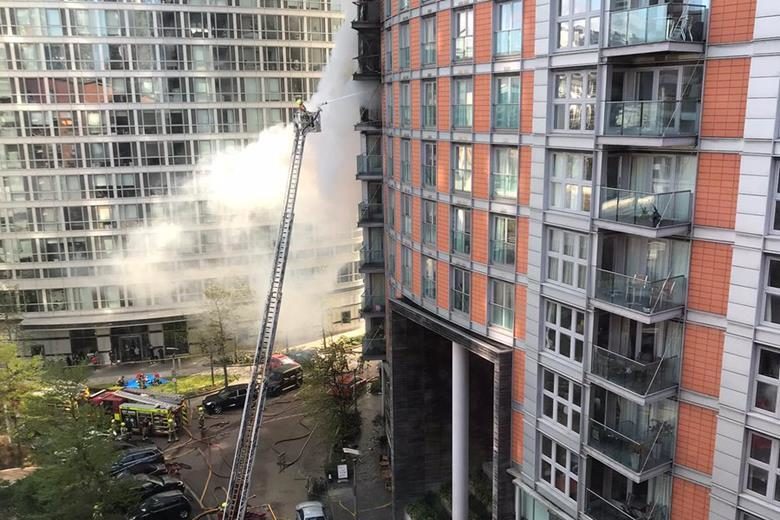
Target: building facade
[[108, 112], [582, 258]]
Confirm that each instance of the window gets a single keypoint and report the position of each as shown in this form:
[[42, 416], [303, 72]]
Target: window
[[772, 291], [577, 23], [462, 109], [403, 5], [406, 266], [404, 105], [503, 240], [501, 306], [389, 103], [508, 28], [763, 466], [429, 164], [428, 41], [388, 51], [561, 400], [574, 103], [461, 230], [567, 258], [564, 330], [390, 208], [559, 467], [428, 104], [429, 222], [506, 103], [461, 290], [570, 182], [429, 278], [406, 157], [406, 214], [389, 156], [461, 171], [767, 381], [464, 34], [403, 45], [504, 175]]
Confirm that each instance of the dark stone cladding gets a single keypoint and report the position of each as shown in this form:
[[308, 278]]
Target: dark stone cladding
[[419, 351]]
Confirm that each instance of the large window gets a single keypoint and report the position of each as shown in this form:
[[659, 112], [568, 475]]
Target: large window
[[406, 266], [406, 214], [578, 23], [501, 305], [503, 240], [509, 23], [464, 34], [461, 168], [429, 104], [564, 329], [461, 290], [428, 40], [429, 222], [506, 103], [559, 467], [406, 158], [767, 381], [567, 258], [429, 164], [561, 400], [571, 181], [404, 105], [461, 230], [463, 106], [403, 45], [503, 181], [772, 291], [429, 278], [574, 103], [763, 466], [389, 104]]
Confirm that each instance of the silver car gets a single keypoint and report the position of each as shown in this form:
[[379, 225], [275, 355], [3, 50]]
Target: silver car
[[310, 511]]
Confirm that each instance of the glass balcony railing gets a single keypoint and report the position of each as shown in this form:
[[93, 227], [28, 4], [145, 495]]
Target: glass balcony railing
[[508, 42], [502, 253], [406, 117], [403, 57], [640, 377], [652, 118], [372, 256], [636, 450], [506, 116], [461, 180], [503, 186], [428, 53], [600, 508], [374, 346], [370, 212], [670, 22], [429, 116], [369, 164], [462, 116], [429, 233], [428, 176], [640, 294], [373, 302], [650, 210], [461, 242], [464, 48]]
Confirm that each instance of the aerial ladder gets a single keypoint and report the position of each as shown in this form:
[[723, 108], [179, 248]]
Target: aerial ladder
[[238, 490]]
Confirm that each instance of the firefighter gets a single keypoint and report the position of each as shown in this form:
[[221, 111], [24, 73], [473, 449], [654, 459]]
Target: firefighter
[[115, 428], [145, 428], [123, 431], [121, 381], [300, 105], [97, 512], [201, 419], [172, 434]]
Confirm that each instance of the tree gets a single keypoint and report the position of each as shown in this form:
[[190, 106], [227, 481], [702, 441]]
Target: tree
[[19, 377], [218, 326]]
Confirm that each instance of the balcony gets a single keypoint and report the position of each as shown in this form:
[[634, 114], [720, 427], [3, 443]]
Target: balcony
[[368, 68], [367, 15], [651, 123], [372, 260], [370, 121], [648, 379], [637, 450], [374, 344], [600, 508], [651, 215], [370, 214], [670, 27], [611, 496], [369, 167], [640, 299], [373, 304]]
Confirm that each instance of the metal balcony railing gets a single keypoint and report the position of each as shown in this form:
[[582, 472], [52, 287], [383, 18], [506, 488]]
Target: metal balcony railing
[[642, 378], [637, 451], [676, 118], [640, 294], [461, 180], [649, 210], [462, 116], [369, 164], [670, 22], [503, 186], [373, 302], [374, 345], [506, 116], [429, 116], [370, 212], [372, 256], [600, 508]]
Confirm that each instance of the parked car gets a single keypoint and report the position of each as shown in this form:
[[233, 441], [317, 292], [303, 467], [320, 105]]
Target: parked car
[[150, 485], [229, 397], [168, 505], [310, 511], [284, 378], [135, 456], [145, 468]]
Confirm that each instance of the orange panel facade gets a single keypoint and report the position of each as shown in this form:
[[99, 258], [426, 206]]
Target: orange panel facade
[[716, 190], [522, 245], [529, 28], [482, 103], [443, 167], [443, 24], [443, 227], [708, 285], [414, 43], [442, 285], [526, 102], [521, 299], [416, 165], [702, 359], [478, 298], [695, 437], [518, 375], [416, 272], [480, 171], [416, 108], [724, 97], [479, 236], [483, 26], [517, 437], [443, 108], [731, 21], [689, 501], [524, 172], [416, 219]]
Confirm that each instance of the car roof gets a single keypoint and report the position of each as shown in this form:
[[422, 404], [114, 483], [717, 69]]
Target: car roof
[[283, 369], [311, 508], [167, 496]]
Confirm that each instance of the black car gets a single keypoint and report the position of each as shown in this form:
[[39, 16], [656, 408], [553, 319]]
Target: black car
[[163, 506], [136, 456], [144, 468], [229, 397], [284, 377], [149, 485]]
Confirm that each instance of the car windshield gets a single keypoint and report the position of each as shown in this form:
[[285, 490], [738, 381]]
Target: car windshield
[[224, 393]]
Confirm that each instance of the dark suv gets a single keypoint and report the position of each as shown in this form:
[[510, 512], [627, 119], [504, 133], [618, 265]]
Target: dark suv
[[284, 377], [132, 458], [163, 506], [229, 397]]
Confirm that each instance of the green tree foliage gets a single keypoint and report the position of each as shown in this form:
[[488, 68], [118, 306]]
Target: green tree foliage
[[19, 377]]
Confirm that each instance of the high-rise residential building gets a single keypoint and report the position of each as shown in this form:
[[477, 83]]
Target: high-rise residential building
[[108, 112], [580, 236]]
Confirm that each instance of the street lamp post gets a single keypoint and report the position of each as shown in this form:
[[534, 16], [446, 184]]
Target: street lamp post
[[355, 457]]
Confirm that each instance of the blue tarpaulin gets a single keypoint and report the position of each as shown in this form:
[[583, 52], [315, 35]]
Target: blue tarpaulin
[[133, 383]]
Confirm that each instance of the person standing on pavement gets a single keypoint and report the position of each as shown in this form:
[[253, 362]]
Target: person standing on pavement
[[123, 431], [145, 428], [172, 434]]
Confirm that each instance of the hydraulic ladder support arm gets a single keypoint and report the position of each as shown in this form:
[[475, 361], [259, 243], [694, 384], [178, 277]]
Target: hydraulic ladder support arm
[[238, 491]]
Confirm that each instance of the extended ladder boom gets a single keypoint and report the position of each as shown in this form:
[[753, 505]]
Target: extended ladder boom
[[249, 431]]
